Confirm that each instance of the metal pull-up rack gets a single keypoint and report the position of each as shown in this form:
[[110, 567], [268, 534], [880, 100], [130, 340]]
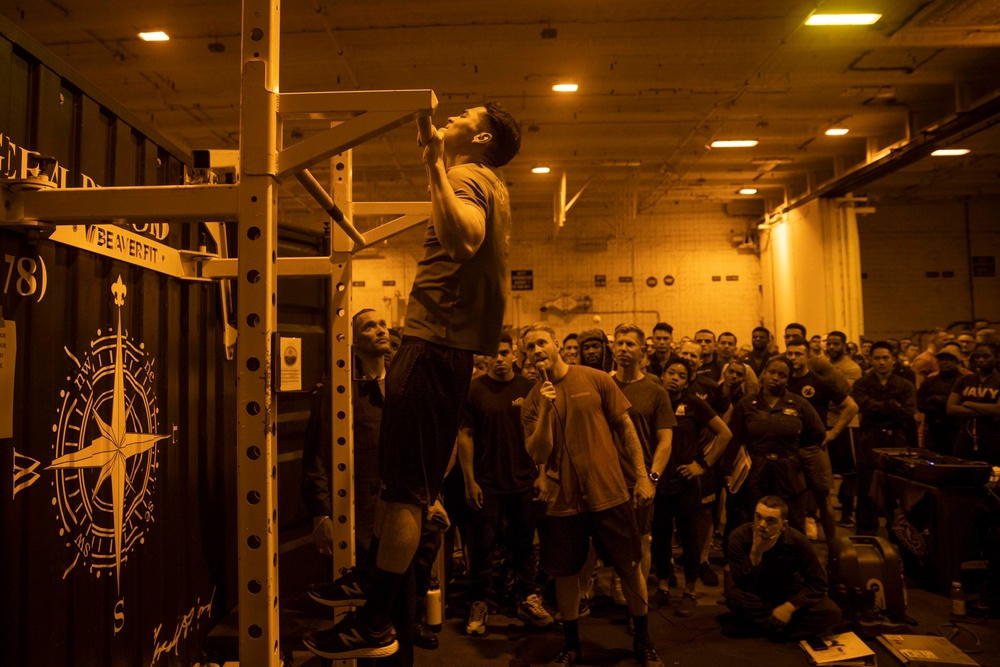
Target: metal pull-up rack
[[252, 203]]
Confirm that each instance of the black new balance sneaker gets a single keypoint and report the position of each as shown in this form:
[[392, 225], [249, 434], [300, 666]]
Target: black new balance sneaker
[[350, 638], [341, 592]]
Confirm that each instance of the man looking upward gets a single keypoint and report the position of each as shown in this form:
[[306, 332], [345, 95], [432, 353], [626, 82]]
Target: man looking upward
[[455, 310]]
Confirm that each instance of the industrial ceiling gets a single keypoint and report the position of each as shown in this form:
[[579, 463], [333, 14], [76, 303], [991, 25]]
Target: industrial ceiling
[[658, 81]]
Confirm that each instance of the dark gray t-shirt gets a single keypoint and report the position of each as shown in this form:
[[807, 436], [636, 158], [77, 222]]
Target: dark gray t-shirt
[[461, 304]]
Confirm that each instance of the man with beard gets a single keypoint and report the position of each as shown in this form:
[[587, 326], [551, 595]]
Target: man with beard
[[595, 351], [569, 421]]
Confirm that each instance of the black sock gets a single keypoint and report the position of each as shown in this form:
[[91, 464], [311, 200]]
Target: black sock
[[571, 631], [377, 612], [366, 570], [641, 628]]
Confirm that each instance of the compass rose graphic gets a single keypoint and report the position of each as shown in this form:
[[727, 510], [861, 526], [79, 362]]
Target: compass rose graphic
[[106, 449]]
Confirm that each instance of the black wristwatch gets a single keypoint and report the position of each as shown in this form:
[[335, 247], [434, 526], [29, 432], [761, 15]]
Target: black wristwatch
[[654, 477]]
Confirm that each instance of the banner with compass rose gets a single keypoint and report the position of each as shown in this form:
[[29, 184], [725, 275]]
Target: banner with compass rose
[[114, 516]]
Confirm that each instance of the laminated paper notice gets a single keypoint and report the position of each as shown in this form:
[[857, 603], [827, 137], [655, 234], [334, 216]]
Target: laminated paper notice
[[291, 364], [8, 355]]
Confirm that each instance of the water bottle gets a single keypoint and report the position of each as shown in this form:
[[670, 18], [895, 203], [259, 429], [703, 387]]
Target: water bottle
[[433, 609], [957, 600]]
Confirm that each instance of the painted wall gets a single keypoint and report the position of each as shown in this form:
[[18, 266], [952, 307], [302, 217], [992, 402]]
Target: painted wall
[[691, 243], [810, 270], [916, 263]]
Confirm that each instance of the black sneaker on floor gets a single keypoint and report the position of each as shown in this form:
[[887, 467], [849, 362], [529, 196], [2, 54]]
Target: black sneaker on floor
[[646, 655], [350, 638], [341, 592], [565, 657], [687, 605], [424, 638], [708, 575], [660, 598]]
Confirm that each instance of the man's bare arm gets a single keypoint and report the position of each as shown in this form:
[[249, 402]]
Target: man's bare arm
[[630, 441], [460, 227]]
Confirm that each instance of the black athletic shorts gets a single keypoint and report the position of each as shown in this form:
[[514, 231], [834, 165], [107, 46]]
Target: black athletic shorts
[[565, 541], [425, 389]]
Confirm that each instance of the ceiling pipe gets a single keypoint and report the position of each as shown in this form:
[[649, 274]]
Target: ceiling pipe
[[960, 125]]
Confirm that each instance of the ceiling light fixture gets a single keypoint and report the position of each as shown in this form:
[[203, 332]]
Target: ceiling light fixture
[[950, 152], [155, 36], [540, 170], [748, 191], [843, 19], [737, 143], [837, 131], [565, 87]]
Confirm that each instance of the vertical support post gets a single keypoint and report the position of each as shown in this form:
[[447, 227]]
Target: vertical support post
[[256, 419], [340, 326], [342, 373]]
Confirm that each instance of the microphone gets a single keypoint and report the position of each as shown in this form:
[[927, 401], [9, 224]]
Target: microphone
[[540, 367]]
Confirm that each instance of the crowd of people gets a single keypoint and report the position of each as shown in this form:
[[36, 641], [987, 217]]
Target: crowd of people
[[601, 445], [611, 449]]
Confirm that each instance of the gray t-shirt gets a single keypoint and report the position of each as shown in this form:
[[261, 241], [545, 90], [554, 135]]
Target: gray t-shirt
[[461, 304]]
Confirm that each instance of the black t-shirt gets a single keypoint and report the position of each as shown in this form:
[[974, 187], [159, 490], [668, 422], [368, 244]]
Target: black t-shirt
[[817, 391], [493, 411], [692, 415], [704, 387], [650, 412], [974, 389]]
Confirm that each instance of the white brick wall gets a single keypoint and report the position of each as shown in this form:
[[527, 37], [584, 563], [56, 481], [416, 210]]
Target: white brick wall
[[690, 242]]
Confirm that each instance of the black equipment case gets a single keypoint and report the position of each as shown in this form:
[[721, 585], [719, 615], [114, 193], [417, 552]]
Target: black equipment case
[[866, 580]]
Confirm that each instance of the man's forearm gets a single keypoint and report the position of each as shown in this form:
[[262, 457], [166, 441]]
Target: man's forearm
[[630, 441], [848, 414], [539, 443], [661, 457], [466, 454]]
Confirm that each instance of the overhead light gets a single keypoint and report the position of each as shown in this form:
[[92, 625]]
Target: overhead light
[[950, 152], [837, 131], [540, 170], [156, 36], [565, 87], [843, 19], [748, 191], [739, 143]]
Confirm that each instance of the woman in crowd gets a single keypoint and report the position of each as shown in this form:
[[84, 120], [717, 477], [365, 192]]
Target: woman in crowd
[[975, 399], [678, 491], [772, 425]]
